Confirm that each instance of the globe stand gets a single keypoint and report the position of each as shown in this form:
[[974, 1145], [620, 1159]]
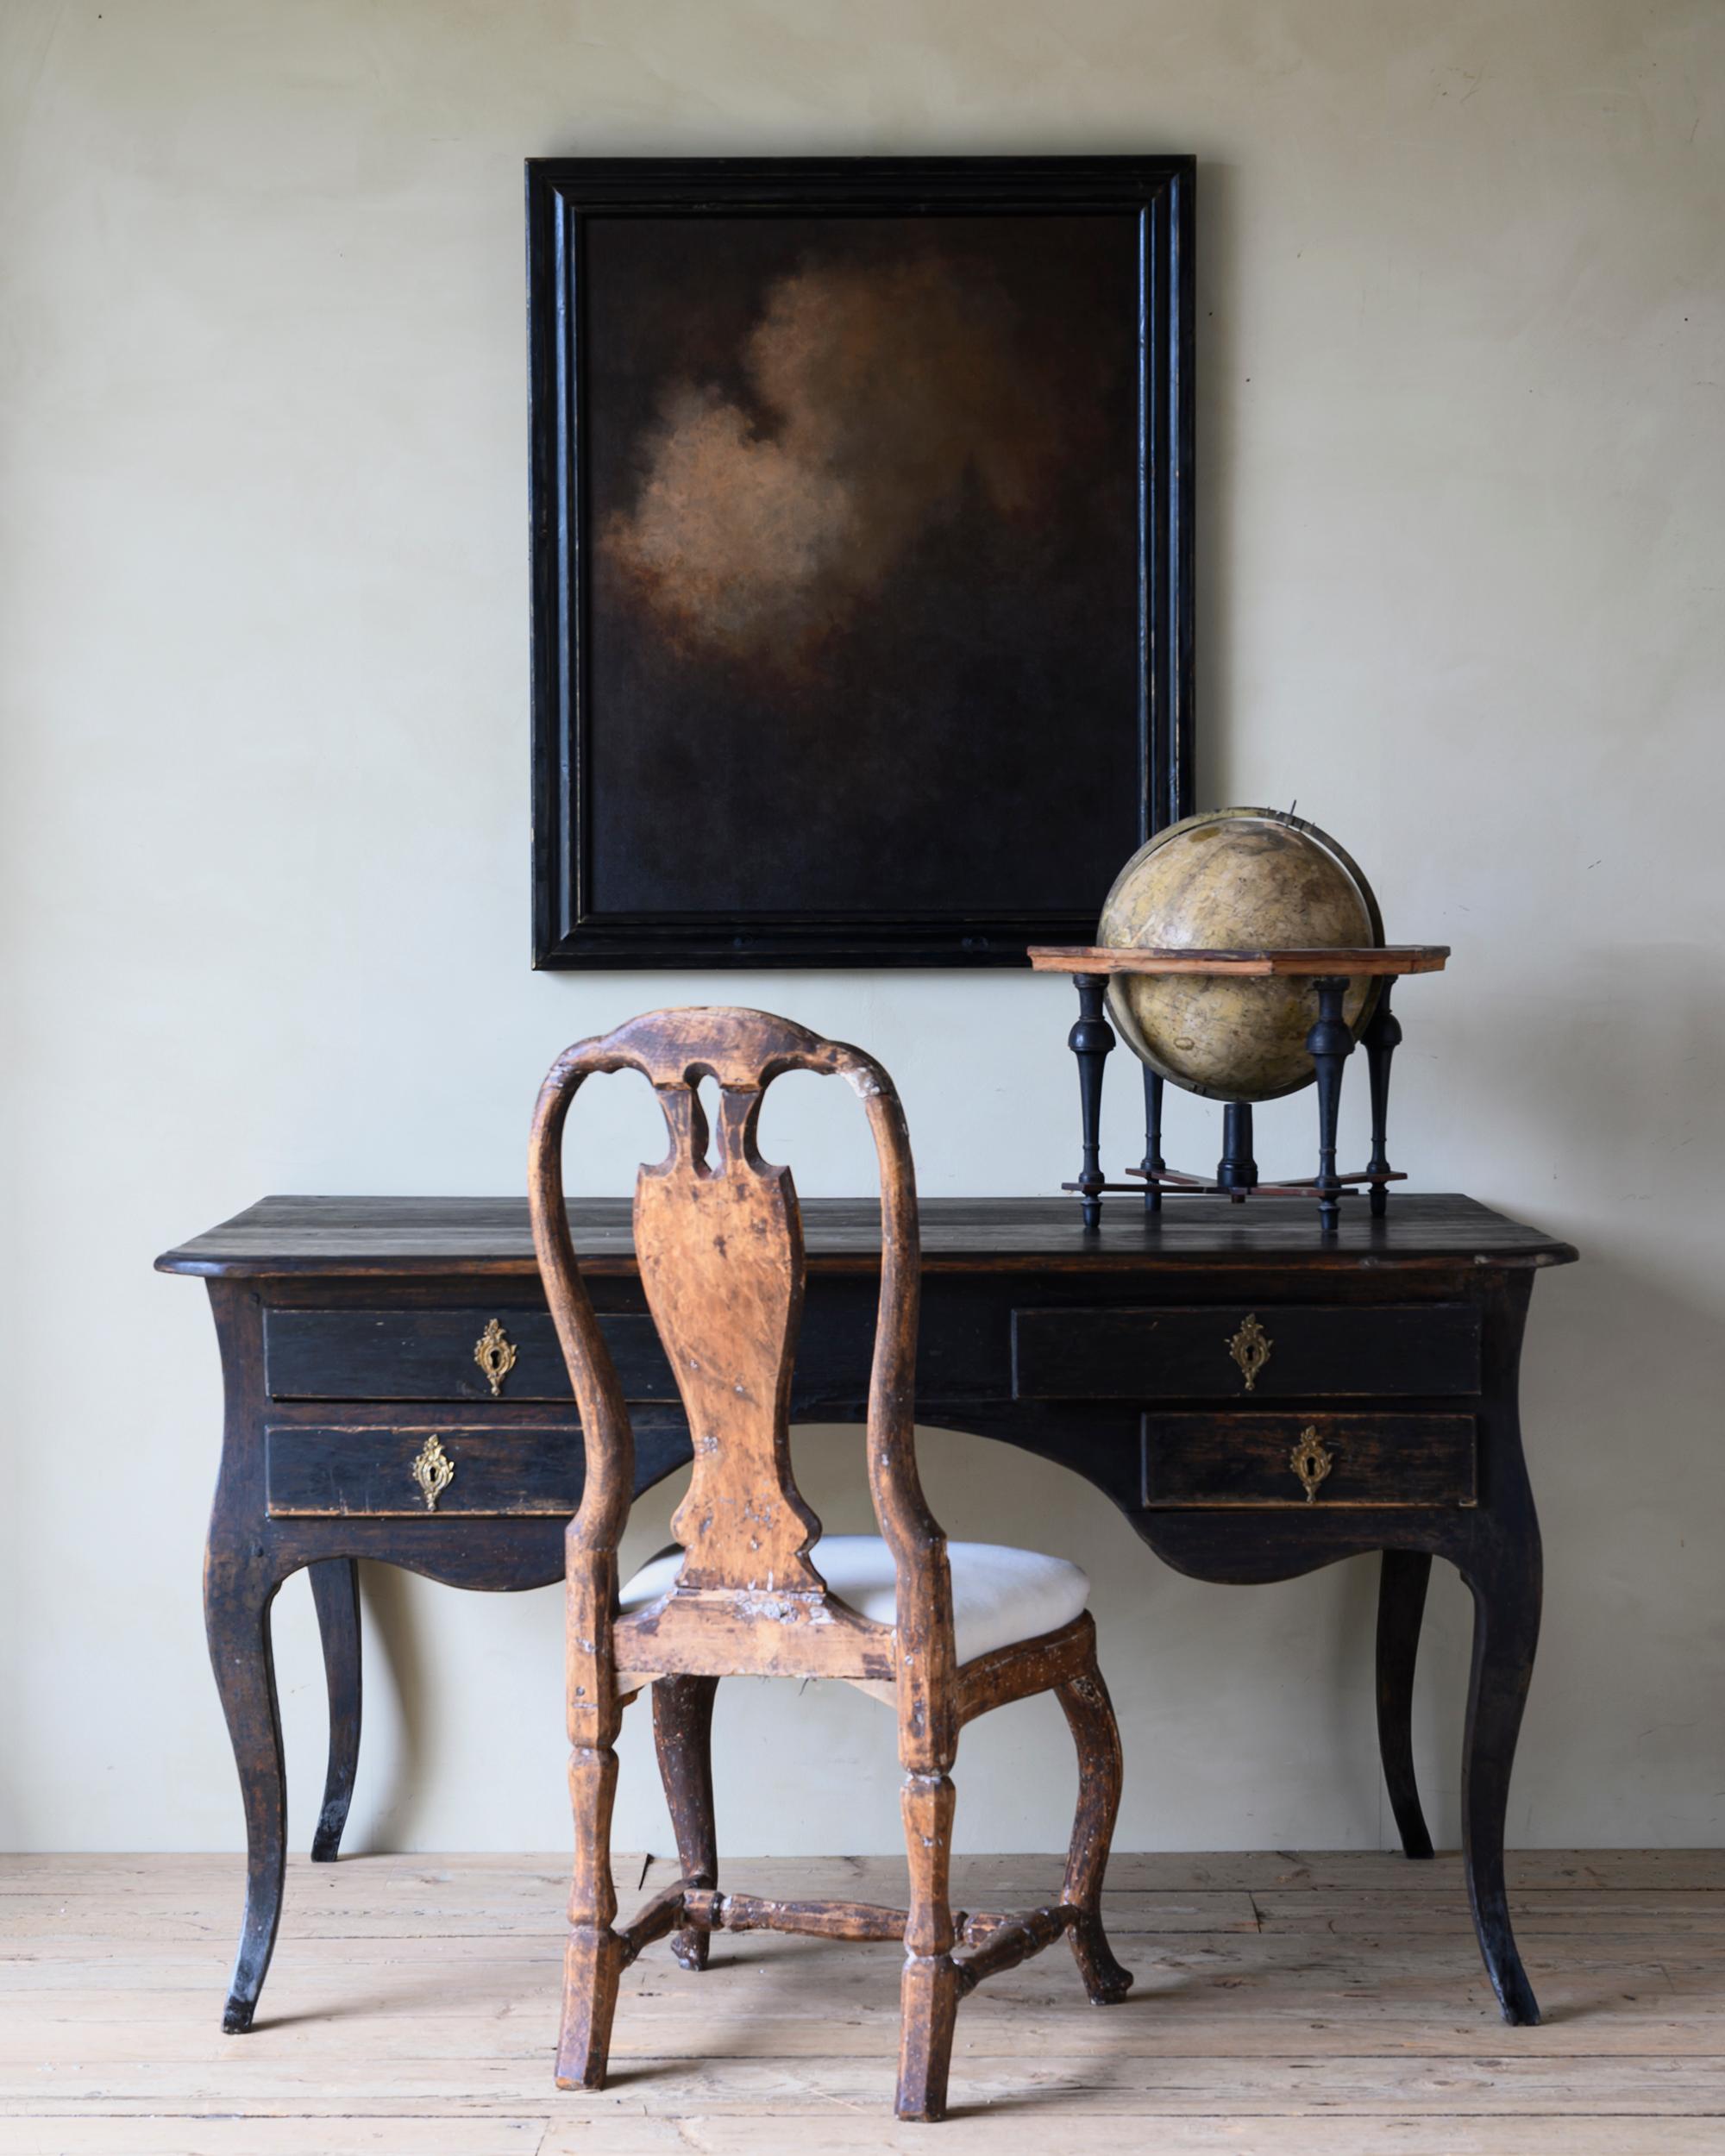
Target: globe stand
[[1329, 1044]]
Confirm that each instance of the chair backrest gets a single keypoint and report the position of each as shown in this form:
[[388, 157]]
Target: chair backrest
[[719, 1246]]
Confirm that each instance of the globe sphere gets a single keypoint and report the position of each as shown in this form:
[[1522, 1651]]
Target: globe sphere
[[1239, 879]]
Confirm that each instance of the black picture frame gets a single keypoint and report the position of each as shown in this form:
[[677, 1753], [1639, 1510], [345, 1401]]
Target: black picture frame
[[1148, 731]]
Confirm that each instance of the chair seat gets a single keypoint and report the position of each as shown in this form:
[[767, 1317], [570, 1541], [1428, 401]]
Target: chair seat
[[999, 1595]]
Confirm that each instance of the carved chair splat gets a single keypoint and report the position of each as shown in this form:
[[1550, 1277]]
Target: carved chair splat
[[720, 1238]]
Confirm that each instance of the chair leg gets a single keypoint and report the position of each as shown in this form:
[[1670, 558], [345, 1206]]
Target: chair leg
[[593, 1961], [929, 1991], [682, 1734], [1090, 1716]]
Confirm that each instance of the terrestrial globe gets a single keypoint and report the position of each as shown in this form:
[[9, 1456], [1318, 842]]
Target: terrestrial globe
[[1239, 879]]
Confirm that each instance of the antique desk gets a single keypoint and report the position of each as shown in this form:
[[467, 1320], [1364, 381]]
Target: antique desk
[[1256, 1400]]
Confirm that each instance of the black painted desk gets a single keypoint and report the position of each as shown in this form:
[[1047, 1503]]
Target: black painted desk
[[1257, 1401]]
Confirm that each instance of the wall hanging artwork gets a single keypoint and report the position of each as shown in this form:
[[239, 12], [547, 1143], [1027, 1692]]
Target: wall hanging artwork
[[862, 495]]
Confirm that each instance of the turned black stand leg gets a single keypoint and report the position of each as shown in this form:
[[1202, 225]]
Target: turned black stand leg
[[1153, 1163], [1506, 1591], [335, 1589], [238, 1594], [1329, 1044], [1401, 1605], [1381, 1039], [1237, 1171], [1090, 1040]]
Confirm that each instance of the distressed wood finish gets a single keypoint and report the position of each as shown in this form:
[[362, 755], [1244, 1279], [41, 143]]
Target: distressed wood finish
[[1163, 1354], [1090, 1716], [719, 1246], [712, 1912], [430, 1355], [431, 1273], [336, 1591], [1304, 2004], [682, 1734], [1026, 1667], [486, 1239], [316, 1472], [1403, 1581], [1405, 1460]]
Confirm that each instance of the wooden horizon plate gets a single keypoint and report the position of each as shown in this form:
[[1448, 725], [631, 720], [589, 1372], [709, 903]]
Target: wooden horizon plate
[[1378, 959]]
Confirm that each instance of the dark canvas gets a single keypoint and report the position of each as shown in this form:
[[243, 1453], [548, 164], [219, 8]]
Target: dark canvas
[[861, 625]]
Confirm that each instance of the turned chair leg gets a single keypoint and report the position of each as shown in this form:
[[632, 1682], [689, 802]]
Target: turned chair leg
[[682, 1735], [929, 1991], [594, 1958], [1090, 1716], [593, 1961]]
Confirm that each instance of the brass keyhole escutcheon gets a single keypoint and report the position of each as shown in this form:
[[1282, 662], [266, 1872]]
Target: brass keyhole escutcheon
[[434, 1471], [1311, 1461], [494, 1352], [1250, 1348]]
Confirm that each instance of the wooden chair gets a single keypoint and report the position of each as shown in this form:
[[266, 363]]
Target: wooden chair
[[719, 1246]]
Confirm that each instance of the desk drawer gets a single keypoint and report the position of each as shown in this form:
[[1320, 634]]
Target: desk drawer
[[446, 1355], [1273, 1351], [1238, 1458], [330, 1472]]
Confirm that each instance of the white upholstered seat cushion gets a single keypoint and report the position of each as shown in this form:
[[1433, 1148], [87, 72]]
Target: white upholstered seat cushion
[[999, 1595]]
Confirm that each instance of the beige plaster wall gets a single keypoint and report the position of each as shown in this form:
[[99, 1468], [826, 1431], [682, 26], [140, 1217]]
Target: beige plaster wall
[[262, 580]]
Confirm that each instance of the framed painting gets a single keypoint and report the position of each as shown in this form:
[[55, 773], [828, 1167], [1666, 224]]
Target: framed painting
[[862, 512]]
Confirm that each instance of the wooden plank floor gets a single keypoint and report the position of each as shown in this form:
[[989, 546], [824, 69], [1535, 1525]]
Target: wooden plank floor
[[1287, 2005]]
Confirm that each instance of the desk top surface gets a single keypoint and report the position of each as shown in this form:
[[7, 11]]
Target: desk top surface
[[489, 1236]]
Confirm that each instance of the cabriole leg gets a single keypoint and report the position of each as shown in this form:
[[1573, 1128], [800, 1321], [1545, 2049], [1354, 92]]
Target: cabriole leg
[[336, 1590], [1506, 1591], [682, 1734], [237, 1595], [1401, 1605], [1096, 1735]]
